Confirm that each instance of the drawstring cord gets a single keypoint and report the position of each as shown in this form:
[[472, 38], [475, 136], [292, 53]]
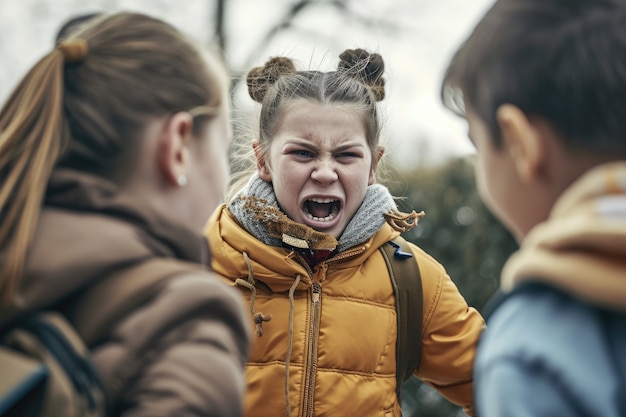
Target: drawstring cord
[[289, 342], [259, 318], [402, 222]]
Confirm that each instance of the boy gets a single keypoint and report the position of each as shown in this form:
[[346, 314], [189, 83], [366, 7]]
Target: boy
[[542, 84]]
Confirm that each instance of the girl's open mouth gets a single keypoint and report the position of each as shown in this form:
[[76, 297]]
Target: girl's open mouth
[[321, 209]]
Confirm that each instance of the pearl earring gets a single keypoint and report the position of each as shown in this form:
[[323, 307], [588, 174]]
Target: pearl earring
[[181, 180]]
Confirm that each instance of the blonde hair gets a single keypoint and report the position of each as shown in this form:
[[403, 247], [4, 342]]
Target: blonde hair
[[83, 106]]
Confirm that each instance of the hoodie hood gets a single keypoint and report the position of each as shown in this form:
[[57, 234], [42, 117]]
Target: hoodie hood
[[581, 248]]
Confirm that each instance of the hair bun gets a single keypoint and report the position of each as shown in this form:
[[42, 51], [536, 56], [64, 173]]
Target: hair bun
[[259, 79], [367, 67]]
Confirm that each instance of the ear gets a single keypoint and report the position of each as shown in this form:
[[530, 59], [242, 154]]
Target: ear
[[523, 141], [380, 151], [261, 164], [173, 152]]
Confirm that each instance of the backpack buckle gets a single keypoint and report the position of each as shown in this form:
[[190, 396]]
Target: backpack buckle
[[398, 252]]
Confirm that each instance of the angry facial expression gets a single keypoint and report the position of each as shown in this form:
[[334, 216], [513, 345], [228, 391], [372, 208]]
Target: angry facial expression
[[320, 165]]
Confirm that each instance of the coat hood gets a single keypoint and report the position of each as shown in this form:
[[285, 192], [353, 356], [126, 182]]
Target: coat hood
[[276, 267], [581, 248]]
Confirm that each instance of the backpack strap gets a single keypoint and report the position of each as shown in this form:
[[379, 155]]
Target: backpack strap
[[614, 325], [407, 286], [105, 303]]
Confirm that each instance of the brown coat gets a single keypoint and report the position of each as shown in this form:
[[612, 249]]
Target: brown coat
[[180, 350]]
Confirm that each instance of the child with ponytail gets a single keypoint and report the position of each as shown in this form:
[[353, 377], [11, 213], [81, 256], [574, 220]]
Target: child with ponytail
[[112, 157]]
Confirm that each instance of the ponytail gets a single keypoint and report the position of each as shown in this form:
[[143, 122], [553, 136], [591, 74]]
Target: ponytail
[[32, 139]]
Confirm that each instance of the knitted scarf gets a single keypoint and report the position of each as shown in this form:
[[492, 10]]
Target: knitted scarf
[[256, 209]]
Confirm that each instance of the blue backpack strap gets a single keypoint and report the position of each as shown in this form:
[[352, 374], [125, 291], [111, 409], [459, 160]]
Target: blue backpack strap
[[407, 286]]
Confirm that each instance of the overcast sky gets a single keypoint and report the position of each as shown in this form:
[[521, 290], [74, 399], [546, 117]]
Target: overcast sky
[[426, 32]]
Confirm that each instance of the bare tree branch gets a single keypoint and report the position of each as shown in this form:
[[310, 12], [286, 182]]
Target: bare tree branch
[[284, 23], [220, 30]]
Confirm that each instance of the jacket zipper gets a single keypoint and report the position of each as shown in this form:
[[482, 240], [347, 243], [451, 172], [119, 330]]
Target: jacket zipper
[[293, 254], [311, 369]]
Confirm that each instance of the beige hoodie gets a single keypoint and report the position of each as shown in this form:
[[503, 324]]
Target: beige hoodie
[[581, 248]]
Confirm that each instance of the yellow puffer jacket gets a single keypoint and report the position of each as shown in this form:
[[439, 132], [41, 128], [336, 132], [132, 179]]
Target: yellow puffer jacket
[[329, 335]]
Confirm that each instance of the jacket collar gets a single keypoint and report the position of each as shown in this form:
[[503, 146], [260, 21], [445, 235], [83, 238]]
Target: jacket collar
[[88, 230], [88, 194], [275, 266]]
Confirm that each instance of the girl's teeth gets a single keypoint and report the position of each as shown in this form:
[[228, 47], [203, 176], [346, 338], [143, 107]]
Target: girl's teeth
[[323, 200], [321, 219], [327, 213]]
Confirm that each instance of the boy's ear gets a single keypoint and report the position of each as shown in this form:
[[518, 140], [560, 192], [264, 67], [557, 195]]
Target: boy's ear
[[261, 164], [522, 140], [173, 152]]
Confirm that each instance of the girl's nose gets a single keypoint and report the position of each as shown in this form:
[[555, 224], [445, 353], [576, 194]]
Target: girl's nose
[[324, 172]]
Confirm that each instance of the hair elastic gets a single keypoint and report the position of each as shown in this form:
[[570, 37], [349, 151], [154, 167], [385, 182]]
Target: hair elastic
[[73, 50]]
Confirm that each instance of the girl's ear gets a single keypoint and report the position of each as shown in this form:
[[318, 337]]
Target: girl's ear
[[380, 151], [523, 141], [261, 164], [173, 152]]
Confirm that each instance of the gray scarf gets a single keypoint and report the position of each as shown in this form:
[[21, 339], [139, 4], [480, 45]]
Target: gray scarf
[[256, 209]]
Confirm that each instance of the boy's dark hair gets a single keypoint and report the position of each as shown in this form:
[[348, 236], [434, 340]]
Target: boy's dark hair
[[563, 61]]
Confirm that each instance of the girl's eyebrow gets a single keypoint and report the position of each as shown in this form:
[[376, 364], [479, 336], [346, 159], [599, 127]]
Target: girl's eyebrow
[[349, 146], [307, 144], [300, 142]]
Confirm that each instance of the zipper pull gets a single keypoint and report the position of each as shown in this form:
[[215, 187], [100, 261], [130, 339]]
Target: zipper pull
[[317, 292]]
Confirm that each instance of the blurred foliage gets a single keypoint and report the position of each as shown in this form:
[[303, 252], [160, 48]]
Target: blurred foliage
[[457, 230], [463, 236]]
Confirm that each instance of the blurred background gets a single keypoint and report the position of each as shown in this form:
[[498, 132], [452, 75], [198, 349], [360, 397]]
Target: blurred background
[[430, 160]]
